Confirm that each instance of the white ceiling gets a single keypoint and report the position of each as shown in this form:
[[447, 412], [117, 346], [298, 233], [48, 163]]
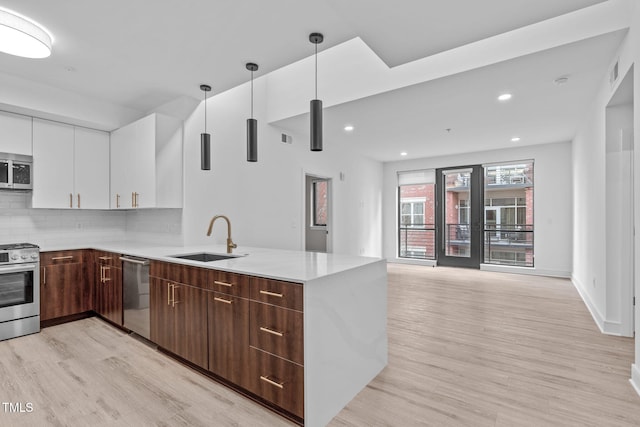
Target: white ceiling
[[415, 119], [144, 53]]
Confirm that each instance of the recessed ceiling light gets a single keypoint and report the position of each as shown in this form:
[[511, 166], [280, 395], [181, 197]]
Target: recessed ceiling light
[[561, 80], [504, 97], [404, 153], [515, 139], [348, 128], [21, 36]]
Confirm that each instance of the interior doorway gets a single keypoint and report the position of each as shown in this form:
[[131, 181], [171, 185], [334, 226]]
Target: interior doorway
[[317, 216], [619, 206]]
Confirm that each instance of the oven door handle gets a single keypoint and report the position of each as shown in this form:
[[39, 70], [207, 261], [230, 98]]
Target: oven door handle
[[18, 268]]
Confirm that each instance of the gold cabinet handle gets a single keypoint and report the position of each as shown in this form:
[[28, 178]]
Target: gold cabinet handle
[[103, 274], [136, 194], [78, 200], [70, 200], [173, 301], [105, 258], [44, 275], [271, 331], [217, 282], [169, 285], [133, 200], [58, 258], [226, 301], [271, 294], [270, 381], [117, 201]]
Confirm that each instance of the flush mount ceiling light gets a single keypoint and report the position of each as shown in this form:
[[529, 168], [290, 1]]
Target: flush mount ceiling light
[[205, 138], [404, 153], [21, 36], [252, 124], [348, 128], [316, 104], [515, 139], [504, 97]]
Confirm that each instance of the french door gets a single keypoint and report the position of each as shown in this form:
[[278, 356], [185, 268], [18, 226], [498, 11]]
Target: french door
[[459, 216]]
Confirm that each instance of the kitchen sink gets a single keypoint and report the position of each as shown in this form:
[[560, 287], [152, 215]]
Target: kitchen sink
[[204, 257]]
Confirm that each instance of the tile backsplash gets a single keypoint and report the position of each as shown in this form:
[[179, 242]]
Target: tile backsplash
[[60, 227]]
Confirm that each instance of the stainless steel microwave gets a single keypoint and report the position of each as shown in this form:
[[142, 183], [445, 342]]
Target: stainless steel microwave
[[16, 172]]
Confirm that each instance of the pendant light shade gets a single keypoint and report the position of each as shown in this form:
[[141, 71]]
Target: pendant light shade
[[316, 104], [205, 138], [252, 124], [316, 125], [21, 36]]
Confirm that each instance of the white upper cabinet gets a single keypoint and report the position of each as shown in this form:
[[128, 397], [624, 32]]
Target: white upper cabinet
[[91, 168], [146, 164], [15, 134], [70, 166]]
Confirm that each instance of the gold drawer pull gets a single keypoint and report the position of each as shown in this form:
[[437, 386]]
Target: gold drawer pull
[[58, 258], [273, 383], [271, 331], [226, 301], [271, 294], [217, 282]]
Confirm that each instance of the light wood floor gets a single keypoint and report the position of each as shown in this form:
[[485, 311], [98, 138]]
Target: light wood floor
[[466, 348]]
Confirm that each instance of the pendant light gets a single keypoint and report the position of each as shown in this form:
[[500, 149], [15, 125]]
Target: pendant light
[[252, 124], [316, 104], [205, 138]]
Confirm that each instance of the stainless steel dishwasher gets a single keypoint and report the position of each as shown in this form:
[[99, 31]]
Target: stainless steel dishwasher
[[135, 295]]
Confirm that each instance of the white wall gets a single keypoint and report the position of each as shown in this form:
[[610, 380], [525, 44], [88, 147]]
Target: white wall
[[552, 199], [47, 102], [603, 297], [265, 200], [55, 228], [60, 228]]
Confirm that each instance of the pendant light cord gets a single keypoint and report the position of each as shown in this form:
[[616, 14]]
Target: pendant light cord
[[252, 94], [316, 70], [205, 112]]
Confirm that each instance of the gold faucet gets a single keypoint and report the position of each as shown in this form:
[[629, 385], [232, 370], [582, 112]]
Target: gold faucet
[[230, 244]]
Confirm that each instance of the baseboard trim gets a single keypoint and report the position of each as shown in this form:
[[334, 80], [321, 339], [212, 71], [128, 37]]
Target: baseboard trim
[[635, 378], [425, 262], [525, 270], [595, 314]]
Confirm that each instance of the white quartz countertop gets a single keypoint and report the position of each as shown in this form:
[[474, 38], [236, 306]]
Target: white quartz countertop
[[279, 264]]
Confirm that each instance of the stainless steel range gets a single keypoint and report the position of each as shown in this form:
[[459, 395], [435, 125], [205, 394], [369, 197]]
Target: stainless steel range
[[19, 290]]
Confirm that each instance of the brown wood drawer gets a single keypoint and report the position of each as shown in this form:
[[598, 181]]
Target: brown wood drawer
[[229, 283], [277, 380], [61, 257], [107, 258], [284, 294], [179, 273], [277, 330]]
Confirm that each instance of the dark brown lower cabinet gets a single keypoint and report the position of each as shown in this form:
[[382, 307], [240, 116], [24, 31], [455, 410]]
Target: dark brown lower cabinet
[[64, 288], [229, 337], [277, 380], [179, 320], [108, 287]]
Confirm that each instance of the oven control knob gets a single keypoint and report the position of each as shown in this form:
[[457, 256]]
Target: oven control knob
[[34, 256], [23, 257], [14, 257]]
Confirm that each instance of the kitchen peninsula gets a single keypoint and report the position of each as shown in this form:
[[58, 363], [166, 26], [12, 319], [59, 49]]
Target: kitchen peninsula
[[303, 332]]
